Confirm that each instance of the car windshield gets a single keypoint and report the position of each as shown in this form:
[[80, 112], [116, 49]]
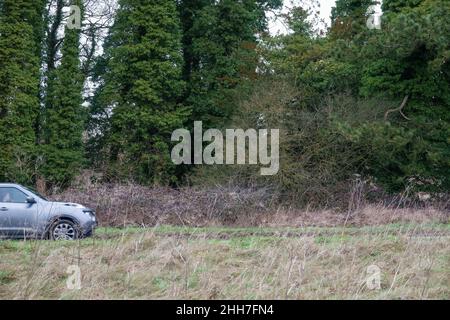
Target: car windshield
[[36, 193]]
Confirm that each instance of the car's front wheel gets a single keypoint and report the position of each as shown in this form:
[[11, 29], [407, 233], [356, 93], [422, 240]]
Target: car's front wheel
[[64, 230]]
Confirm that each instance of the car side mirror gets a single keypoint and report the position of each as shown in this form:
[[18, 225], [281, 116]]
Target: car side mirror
[[31, 200]]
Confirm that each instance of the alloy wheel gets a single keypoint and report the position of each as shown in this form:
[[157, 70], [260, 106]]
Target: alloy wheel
[[64, 231]]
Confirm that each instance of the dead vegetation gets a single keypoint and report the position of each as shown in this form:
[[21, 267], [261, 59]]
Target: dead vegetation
[[134, 205], [149, 264], [272, 252]]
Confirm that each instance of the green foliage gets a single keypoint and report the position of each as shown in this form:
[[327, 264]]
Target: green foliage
[[320, 67], [143, 88], [396, 6], [410, 57], [19, 84], [350, 8], [400, 157], [349, 18], [167, 63], [151, 89], [61, 151], [219, 46], [320, 152], [376, 69], [290, 54], [327, 77]]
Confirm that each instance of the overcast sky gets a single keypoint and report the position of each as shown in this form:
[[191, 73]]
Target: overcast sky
[[325, 13]]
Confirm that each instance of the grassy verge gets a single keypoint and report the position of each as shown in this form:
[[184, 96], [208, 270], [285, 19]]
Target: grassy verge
[[234, 263]]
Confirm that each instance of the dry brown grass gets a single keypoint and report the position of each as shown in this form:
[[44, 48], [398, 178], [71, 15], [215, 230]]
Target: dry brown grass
[[202, 264], [133, 205], [370, 215], [276, 253]]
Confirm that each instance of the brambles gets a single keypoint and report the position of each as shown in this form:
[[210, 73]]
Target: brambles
[[132, 205]]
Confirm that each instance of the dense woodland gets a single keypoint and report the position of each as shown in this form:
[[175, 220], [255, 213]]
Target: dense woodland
[[352, 103]]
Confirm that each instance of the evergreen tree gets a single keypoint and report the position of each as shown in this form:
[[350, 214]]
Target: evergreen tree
[[408, 61], [349, 18], [219, 45], [142, 89], [319, 66], [19, 86], [395, 6], [64, 115]]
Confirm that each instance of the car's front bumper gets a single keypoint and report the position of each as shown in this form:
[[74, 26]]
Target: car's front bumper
[[88, 228]]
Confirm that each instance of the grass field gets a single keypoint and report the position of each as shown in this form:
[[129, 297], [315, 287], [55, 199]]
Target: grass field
[[235, 263]]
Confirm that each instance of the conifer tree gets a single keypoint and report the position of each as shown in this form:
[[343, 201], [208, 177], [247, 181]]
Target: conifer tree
[[349, 18], [395, 6], [408, 62], [64, 115], [142, 90], [19, 86], [219, 45]]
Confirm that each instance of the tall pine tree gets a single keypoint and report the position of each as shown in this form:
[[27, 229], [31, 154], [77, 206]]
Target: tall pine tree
[[20, 21], [409, 61], [349, 17], [396, 6], [63, 122], [142, 90], [219, 42]]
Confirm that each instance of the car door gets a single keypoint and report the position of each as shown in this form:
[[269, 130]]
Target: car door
[[17, 217]]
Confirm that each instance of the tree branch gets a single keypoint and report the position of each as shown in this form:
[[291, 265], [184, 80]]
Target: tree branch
[[399, 109]]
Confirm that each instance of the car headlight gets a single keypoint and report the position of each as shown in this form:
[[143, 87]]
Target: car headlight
[[91, 214]]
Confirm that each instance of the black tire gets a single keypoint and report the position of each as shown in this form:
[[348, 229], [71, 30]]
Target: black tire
[[64, 230]]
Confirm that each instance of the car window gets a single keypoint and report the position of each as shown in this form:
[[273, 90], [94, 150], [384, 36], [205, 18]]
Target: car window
[[36, 193], [12, 195]]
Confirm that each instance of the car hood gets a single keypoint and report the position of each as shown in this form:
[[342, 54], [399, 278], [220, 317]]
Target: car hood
[[69, 205]]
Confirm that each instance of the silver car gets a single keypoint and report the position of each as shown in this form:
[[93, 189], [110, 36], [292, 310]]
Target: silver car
[[26, 214]]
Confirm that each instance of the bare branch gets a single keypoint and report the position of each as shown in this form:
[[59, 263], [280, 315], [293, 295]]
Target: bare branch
[[399, 109]]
